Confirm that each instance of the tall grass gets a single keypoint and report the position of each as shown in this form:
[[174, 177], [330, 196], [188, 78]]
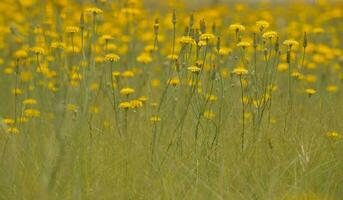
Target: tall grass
[[110, 100]]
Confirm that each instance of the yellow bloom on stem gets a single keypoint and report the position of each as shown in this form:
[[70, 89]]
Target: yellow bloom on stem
[[58, 45], [318, 30], [237, 27], [20, 54], [212, 97], [144, 58], [243, 44], [106, 37], [194, 69], [174, 81], [112, 57], [155, 83], [94, 10], [207, 36], [72, 107], [31, 113], [155, 119], [8, 121], [186, 40], [22, 119], [297, 75], [332, 88], [125, 105], [291, 43], [282, 67], [240, 71], [136, 104], [17, 91], [94, 109], [72, 29], [38, 50], [269, 35], [334, 135], [310, 91], [224, 51], [261, 25], [13, 130], [128, 74], [143, 99], [127, 91], [172, 57], [209, 115], [30, 102]]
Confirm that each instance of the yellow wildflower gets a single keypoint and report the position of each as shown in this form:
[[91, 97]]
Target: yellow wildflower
[[237, 27], [112, 57], [240, 71], [127, 91]]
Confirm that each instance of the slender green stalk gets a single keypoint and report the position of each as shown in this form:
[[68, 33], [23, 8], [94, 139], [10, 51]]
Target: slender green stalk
[[243, 113]]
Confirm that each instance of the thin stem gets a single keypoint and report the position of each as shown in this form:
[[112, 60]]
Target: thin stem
[[243, 111], [114, 100]]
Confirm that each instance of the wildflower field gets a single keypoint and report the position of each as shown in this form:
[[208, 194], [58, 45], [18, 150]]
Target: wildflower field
[[130, 99]]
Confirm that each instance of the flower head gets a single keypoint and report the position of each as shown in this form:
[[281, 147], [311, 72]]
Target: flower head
[[72, 29], [112, 57], [32, 113], [127, 91], [194, 69], [20, 54], [237, 27], [240, 71], [291, 43], [144, 58], [174, 81], [243, 44], [125, 105], [38, 50], [30, 102], [186, 40], [261, 25], [136, 104], [207, 36], [332, 88], [155, 119], [310, 91], [8, 121], [209, 115], [94, 10], [13, 130], [106, 37], [334, 135], [269, 35]]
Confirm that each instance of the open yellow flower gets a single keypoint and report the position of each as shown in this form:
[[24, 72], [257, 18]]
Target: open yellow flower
[[144, 58], [310, 91], [112, 57], [207, 36], [240, 71], [291, 43], [243, 44], [261, 25], [127, 91], [269, 35], [334, 135], [194, 69], [125, 105], [155, 119], [237, 27], [72, 29], [94, 10]]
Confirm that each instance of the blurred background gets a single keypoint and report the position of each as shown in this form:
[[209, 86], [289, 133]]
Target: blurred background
[[197, 3], [165, 5]]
